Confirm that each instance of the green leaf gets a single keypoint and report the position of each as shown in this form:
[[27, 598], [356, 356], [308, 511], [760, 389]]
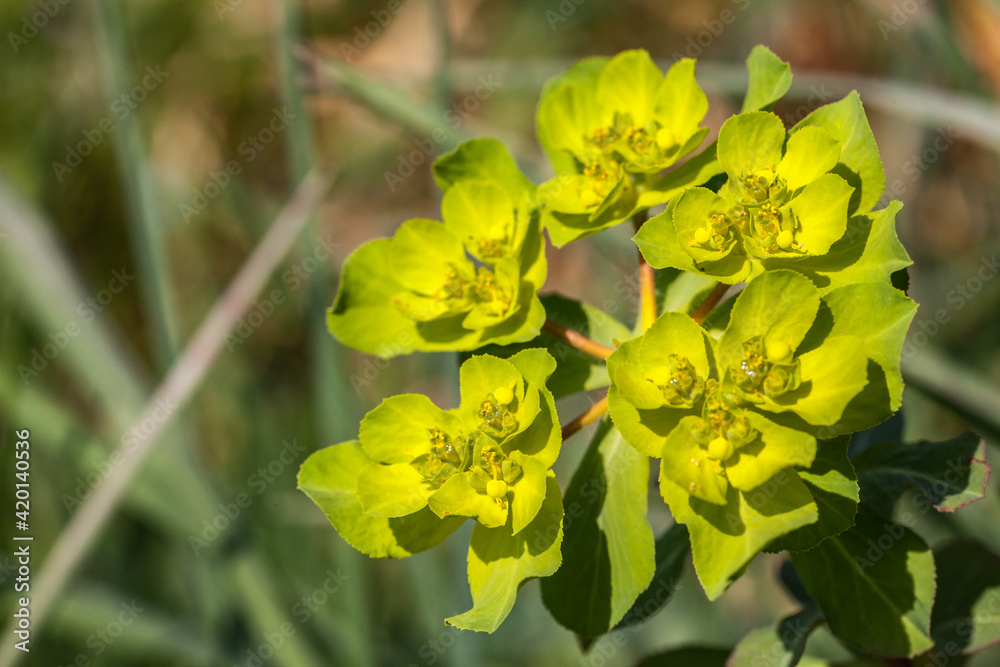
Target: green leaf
[[482, 375], [396, 430], [647, 427], [681, 103], [562, 121], [860, 164], [527, 494], [834, 485], [776, 448], [868, 252], [749, 142], [686, 465], [966, 616], [809, 153], [576, 371], [657, 241], [821, 210], [884, 590], [690, 214], [364, 300], [500, 563], [483, 160], [770, 79], [688, 656], [482, 215], [781, 645], [329, 477], [725, 538], [878, 314], [608, 552], [950, 474], [392, 490], [423, 252], [543, 439], [779, 307], [832, 376], [630, 81], [457, 497], [672, 549]]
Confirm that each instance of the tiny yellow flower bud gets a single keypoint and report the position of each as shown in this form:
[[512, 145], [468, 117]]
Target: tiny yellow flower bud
[[702, 236], [777, 350], [720, 449], [496, 488], [504, 395], [785, 239], [665, 139]]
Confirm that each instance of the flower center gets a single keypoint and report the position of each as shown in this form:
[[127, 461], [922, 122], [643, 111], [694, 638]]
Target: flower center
[[724, 427], [447, 456], [498, 420], [770, 371], [679, 382]]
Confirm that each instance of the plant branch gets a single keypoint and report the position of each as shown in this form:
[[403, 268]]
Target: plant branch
[[647, 281], [577, 340], [710, 302], [589, 416]]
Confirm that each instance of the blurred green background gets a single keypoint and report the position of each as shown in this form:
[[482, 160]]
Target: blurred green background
[[145, 150]]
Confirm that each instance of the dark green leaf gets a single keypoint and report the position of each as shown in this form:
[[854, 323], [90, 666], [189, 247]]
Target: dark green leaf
[[672, 549], [966, 615], [608, 553], [875, 584], [950, 474], [833, 484], [779, 646], [688, 656]]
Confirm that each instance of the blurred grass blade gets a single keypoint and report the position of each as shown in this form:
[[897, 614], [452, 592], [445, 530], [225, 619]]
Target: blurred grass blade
[[385, 99], [176, 389], [144, 217], [273, 624], [335, 402], [970, 396]]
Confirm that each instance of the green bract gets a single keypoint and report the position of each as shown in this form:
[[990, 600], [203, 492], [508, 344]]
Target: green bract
[[786, 203], [748, 403], [456, 285], [715, 411], [608, 126], [418, 467]]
